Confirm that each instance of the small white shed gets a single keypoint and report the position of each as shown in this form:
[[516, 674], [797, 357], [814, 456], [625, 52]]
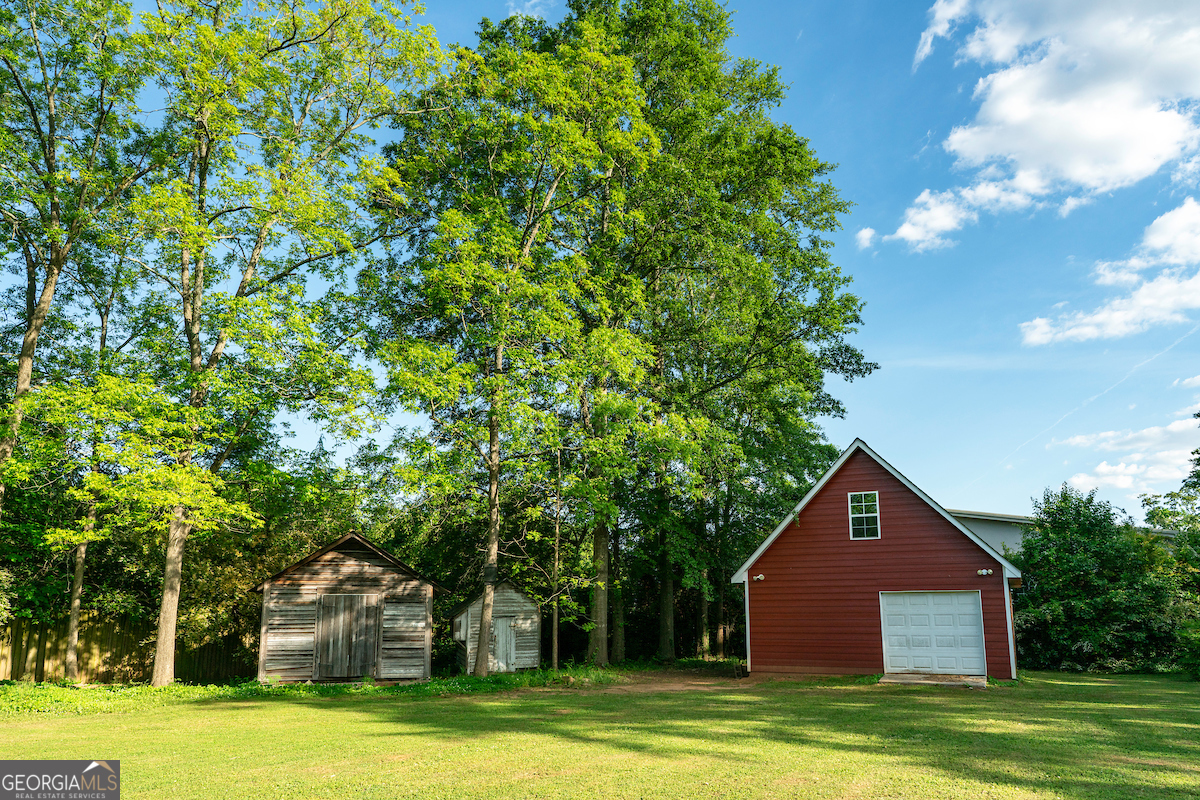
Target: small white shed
[[516, 630]]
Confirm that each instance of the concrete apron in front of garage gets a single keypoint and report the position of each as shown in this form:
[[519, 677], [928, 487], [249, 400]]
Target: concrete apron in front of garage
[[971, 681]]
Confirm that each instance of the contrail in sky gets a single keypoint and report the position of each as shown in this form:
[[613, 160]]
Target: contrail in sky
[[1097, 396]]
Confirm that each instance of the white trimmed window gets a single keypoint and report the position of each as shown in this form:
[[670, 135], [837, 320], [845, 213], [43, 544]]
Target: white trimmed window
[[864, 515]]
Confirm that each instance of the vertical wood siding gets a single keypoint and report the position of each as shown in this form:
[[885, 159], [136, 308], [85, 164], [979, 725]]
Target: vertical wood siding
[[817, 608], [347, 635], [387, 636], [527, 629]]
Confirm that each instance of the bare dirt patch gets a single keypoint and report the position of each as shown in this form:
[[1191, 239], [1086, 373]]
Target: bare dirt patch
[[673, 681]]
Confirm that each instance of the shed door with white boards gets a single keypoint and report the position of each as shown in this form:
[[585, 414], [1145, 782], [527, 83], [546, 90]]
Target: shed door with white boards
[[504, 650], [936, 632]]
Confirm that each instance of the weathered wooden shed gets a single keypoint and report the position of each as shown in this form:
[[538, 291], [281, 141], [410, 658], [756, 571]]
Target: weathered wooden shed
[[346, 612], [516, 630]]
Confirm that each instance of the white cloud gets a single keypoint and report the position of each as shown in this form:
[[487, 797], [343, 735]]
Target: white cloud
[[1082, 97], [1156, 302], [1145, 439], [1154, 459], [942, 17], [1072, 203], [530, 8], [1174, 238], [1190, 383], [1115, 476], [933, 214], [865, 238], [1171, 242], [1189, 411]]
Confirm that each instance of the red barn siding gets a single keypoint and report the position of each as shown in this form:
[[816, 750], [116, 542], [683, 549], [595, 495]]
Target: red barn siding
[[817, 608]]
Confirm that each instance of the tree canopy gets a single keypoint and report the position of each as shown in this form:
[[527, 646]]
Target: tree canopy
[[580, 261]]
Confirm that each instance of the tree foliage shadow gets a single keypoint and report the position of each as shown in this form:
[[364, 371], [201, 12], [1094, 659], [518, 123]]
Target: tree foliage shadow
[[1070, 736]]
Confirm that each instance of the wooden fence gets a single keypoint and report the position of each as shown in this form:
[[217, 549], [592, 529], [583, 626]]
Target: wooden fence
[[112, 650]]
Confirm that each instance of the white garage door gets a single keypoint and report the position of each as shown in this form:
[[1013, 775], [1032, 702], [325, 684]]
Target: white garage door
[[938, 632]]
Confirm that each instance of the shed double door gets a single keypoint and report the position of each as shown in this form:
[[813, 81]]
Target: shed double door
[[347, 635]]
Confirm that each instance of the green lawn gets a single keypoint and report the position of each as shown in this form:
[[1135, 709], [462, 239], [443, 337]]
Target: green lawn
[[1052, 736]]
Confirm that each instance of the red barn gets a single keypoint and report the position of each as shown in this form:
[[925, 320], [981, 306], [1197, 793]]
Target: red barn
[[868, 574]]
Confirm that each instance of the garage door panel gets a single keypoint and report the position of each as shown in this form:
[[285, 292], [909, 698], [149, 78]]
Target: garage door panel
[[936, 632]]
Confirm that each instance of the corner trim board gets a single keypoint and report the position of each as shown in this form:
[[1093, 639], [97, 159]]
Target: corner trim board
[[746, 585]]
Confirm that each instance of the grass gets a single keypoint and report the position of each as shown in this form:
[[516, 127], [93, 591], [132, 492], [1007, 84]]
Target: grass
[[1050, 736], [19, 698]]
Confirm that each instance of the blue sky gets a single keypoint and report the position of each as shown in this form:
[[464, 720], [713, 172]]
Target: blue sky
[[1023, 235], [1024, 231]]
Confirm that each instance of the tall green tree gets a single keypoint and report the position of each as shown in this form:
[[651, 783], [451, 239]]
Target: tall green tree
[[276, 190], [743, 308], [71, 146], [478, 324]]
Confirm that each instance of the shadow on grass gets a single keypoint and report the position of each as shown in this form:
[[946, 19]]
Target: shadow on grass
[[1075, 736]]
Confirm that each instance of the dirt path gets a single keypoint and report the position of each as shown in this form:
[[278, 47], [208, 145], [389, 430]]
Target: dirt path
[[663, 681]]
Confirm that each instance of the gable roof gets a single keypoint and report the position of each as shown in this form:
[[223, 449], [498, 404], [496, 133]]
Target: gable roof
[[856, 446], [465, 604], [357, 539]]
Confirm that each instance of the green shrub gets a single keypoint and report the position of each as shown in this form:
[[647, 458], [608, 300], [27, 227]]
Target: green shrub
[[1189, 650], [1098, 596]]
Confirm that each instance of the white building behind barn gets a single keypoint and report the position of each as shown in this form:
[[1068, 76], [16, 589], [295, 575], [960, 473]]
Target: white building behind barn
[[1001, 531], [516, 631], [1004, 532]]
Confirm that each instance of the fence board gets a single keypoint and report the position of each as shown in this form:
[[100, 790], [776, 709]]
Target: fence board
[[111, 650]]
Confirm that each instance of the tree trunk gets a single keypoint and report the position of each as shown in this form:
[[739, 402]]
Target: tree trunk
[[557, 549], [618, 600], [702, 649], [720, 619], [554, 636], [168, 614], [71, 665], [32, 636], [17, 631], [40, 653], [36, 318], [598, 646], [666, 602], [491, 560]]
